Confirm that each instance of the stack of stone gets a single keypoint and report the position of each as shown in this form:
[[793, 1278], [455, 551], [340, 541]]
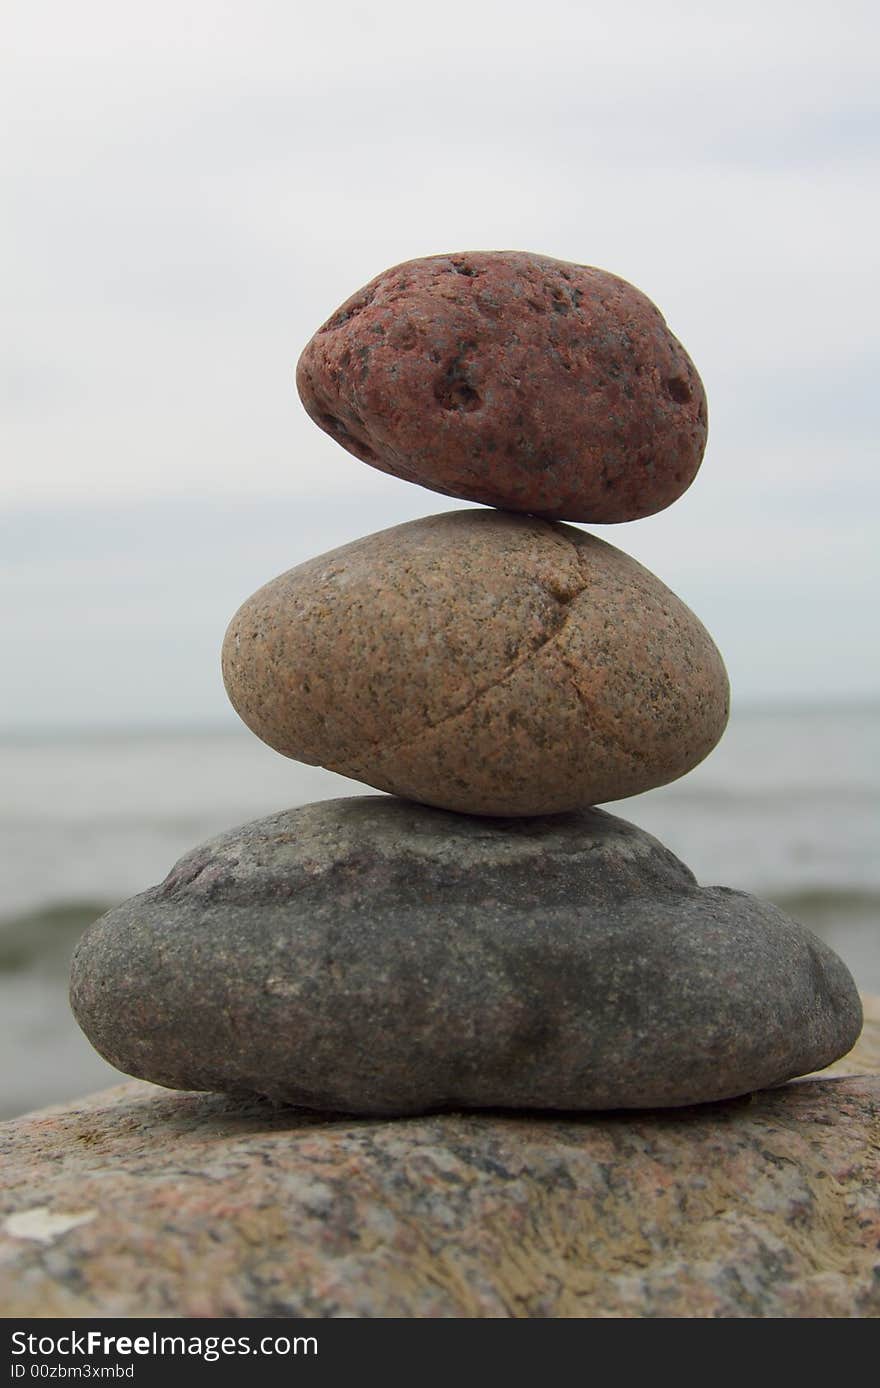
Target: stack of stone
[[483, 936]]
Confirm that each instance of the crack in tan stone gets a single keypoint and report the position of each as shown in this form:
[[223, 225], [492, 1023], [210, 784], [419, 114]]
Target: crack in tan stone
[[428, 727], [592, 708]]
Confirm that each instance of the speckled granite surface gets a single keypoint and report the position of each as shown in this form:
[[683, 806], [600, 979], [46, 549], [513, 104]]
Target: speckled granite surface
[[482, 662], [136, 1202], [512, 379]]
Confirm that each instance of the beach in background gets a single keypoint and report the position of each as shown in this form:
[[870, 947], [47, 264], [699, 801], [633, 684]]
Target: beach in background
[[787, 807]]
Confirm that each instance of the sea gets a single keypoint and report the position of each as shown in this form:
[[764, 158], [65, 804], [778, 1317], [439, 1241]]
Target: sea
[[787, 806]]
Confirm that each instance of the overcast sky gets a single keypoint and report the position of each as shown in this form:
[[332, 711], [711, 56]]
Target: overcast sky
[[191, 188]]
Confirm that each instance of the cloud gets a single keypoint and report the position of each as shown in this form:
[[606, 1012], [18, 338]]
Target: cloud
[[195, 187]]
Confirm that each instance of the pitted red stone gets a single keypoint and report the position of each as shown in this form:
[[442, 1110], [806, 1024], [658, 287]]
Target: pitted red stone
[[513, 380]]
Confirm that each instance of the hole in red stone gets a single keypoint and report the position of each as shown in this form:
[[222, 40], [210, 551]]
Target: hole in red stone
[[405, 338], [678, 389], [456, 395], [350, 309], [461, 267], [453, 390], [332, 425], [546, 462]]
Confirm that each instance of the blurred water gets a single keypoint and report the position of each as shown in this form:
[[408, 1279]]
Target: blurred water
[[788, 807]]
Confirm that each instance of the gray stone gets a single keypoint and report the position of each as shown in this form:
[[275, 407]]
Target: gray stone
[[376, 956]]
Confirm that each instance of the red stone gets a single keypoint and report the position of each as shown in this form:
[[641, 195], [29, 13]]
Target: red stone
[[513, 380]]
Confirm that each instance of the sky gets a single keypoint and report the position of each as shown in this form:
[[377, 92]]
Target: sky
[[190, 189]]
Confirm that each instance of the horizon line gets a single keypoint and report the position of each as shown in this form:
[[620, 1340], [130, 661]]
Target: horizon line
[[212, 724]]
